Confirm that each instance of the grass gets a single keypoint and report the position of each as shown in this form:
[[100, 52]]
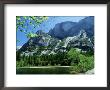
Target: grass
[[50, 70], [44, 70]]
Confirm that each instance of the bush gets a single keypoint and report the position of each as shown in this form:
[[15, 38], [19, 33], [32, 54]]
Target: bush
[[75, 69], [20, 63], [85, 64], [73, 56]]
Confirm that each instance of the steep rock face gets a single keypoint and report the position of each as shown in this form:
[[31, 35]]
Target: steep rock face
[[79, 41], [61, 29], [68, 29], [45, 44], [87, 24], [64, 35], [43, 40]]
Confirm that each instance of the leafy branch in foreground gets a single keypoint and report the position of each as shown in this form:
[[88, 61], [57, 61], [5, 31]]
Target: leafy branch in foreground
[[23, 24]]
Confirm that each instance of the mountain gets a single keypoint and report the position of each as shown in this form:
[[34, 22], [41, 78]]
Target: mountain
[[46, 44], [43, 40], [61, 30], [62, 37], [68, 29]]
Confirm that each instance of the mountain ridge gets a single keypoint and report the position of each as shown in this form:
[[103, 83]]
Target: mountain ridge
[[64, 35], [48, 45], [74, 28]]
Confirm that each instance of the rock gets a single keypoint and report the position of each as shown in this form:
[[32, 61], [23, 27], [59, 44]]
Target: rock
[[90, 71], [69, 29], [80, 41], [63, 36], [61, 30]]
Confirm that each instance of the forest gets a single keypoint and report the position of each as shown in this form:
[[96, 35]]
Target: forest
[[79, 62]]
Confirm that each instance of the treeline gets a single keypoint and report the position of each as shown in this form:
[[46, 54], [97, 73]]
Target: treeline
[[79, 60], [72, 57], [43, 60]]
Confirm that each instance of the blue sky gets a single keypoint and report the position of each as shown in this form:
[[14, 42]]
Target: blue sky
[[46, 26]]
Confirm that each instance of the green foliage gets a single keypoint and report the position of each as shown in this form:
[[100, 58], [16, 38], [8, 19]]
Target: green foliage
[[43, 60], [31, 35], [85, 64], [88, 53], [49, 70], [18, 56], [73, 55], [80, 62], [75, 69], [22, 23]]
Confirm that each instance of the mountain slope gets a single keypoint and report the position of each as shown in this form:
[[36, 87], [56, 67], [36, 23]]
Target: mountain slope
[[64, 35], [67, 29], [45, 44]]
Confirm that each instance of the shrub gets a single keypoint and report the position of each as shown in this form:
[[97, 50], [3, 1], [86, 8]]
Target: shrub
[[75, 69], [73, 55], [85, 64]]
